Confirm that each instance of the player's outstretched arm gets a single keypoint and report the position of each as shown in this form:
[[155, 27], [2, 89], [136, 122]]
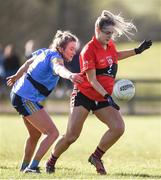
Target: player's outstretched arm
[[131, 52], [62, 71], [11, 79]]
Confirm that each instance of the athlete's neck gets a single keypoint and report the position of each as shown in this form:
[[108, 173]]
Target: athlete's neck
[[103, 45]]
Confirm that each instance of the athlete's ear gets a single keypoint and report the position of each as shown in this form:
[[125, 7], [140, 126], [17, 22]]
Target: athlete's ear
[[98, 30]]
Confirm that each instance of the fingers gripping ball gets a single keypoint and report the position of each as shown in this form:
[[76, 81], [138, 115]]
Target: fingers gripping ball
[[124, 90]]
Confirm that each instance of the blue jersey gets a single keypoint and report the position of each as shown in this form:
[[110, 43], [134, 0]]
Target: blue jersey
[[40, 78]]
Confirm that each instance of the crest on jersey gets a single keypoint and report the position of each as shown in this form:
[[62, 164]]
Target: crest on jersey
[[109, 60]]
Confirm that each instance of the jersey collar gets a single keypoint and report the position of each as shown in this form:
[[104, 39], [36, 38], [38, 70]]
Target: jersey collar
[[98, 44]]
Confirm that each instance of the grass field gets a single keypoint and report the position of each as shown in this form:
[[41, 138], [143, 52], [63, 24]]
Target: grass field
[[144, 66], [137, 155]]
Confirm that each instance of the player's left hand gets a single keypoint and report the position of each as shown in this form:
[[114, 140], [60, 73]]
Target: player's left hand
[[111, 102], [11, 80], [143, 46]]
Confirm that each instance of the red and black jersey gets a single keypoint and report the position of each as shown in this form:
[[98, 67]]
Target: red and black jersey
[[94, 56]]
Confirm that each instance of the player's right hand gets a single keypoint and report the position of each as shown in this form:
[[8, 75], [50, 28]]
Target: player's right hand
[[76, 78]]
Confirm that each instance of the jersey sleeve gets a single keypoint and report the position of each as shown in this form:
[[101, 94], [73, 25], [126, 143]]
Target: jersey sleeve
[[87, 60], [53, 63]]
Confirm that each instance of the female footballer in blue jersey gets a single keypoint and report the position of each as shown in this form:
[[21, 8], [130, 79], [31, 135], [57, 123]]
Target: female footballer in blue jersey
[[32, 83]]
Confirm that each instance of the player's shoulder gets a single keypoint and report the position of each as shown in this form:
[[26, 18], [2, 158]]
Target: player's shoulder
[[55, 55], [39, 51], [88, 47]]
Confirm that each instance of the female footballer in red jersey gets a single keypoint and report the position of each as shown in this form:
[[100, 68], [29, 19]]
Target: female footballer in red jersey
[[98, 64]]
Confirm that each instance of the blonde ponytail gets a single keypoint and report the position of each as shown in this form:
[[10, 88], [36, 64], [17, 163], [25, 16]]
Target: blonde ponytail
[[121, 26]]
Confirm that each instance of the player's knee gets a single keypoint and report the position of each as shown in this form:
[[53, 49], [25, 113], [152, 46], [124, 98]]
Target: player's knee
[[37, 137], [33, 138], [53, 134], [119, 129], [71, 139]]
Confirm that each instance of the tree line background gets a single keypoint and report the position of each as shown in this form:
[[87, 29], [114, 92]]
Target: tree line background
[[21, 20]]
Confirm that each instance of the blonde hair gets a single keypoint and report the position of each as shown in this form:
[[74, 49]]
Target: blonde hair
[[62, 38], [121, 26]]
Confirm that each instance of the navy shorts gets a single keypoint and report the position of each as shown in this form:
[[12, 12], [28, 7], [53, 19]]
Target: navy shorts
[[24, 106], [79, 99]]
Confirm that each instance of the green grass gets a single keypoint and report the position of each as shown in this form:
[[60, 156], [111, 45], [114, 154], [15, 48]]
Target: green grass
[[137, 155], [144, 66]]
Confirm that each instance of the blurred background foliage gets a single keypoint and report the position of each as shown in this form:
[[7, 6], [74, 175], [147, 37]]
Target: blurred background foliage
[[21, 20]]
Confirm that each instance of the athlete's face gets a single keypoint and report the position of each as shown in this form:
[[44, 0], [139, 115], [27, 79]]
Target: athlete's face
[[69, 51], [105, 36]]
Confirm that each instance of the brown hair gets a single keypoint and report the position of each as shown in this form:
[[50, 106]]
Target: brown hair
[[62, 38]]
